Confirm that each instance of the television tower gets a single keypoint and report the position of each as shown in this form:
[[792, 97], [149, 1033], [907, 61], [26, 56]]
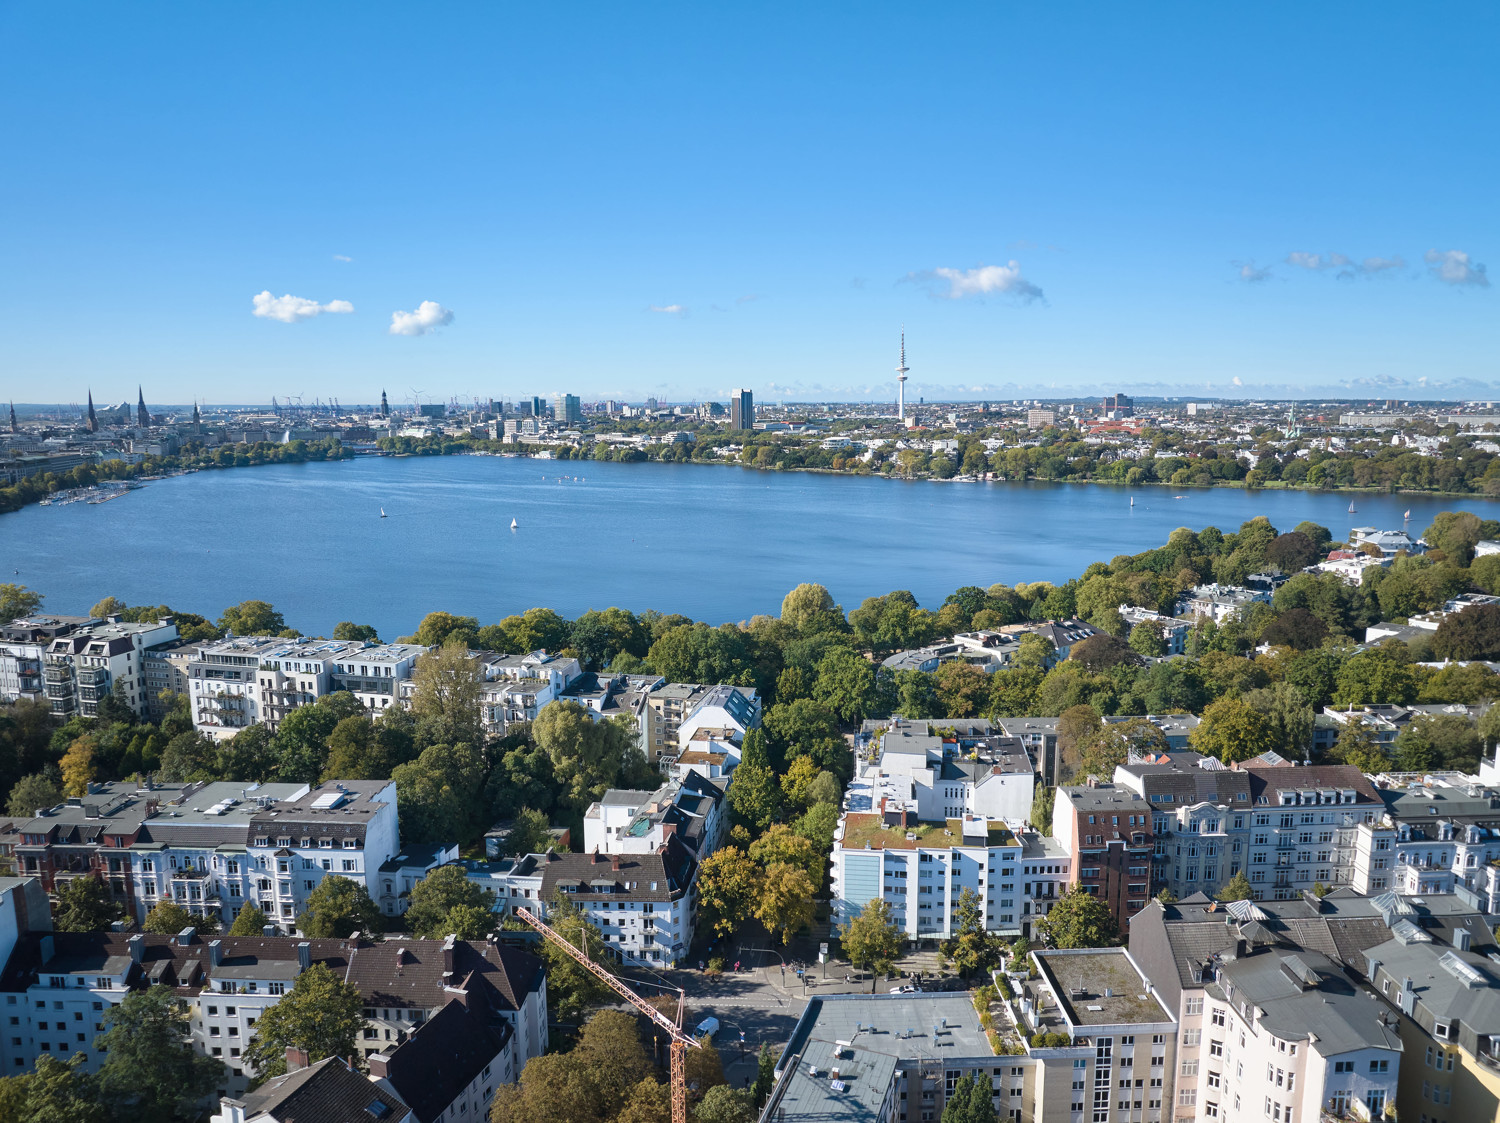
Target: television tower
[[901, 380]]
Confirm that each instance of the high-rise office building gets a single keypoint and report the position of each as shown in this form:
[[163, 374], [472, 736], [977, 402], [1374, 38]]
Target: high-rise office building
[[538, 407], [568, 409], [741, 409]]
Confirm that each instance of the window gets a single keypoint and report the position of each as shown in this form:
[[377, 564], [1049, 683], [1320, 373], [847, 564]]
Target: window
[[1380, 1066], [1194, 1006], [1187, 1097]]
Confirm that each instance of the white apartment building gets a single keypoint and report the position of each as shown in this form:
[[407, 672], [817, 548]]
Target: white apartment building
[[23, 648], [98, 660], [1440, 834], [516, 687], [223, 685], [693, 810], [989, 776], [1173, 631], [371, 673], [1219, 602], [62, 984], [194, 849], [921, 870]]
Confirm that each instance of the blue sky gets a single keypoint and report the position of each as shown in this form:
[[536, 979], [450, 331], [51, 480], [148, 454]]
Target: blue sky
[[623, 200]]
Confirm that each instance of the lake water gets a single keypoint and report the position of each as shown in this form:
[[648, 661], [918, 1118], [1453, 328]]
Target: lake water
[[715, 542]]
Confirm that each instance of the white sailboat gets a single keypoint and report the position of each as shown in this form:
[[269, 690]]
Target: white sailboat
[[382, 513], [1351, 506], [514, 524], [1406, 517], [1132, 501]]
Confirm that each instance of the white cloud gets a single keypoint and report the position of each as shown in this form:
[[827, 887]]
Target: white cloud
[[1454, 267], [985, 280], [290, 309], [1250, 274], [1306, 260], [1347, 267], [429, 316], [1236, 380], [670, 309], [1374, 265], [341, 257]]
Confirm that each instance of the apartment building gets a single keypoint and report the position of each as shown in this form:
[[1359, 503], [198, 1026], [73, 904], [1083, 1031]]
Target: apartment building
[[1273, 1026], [1045, 869], [988, 651], [1115, 1043], [1219, 602], [373, 671], [57, 986], [1173, 630], [664, 708], [693, 810], [23, 648], [1445, 1002], [1039, 736], [331, 1090], [1107, 831], [1199, 814], [517, 687], [643, 904], [165, 668], [95, 661], [945, 777], [223, 685]]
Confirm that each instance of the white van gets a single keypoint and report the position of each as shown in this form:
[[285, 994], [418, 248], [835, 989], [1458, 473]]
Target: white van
[[707, 1028]]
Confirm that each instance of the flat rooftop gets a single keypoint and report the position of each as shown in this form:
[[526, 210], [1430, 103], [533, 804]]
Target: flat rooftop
[[1080, 979], [898, 1025], [869, 827]]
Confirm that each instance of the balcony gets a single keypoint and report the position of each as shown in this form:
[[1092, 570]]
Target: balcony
[[59, 672], [94, 676]]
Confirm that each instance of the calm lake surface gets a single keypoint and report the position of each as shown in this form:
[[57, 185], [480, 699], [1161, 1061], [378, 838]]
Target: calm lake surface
[[717, 543]]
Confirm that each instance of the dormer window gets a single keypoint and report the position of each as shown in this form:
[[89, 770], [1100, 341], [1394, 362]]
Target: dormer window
[[325, 843], [305, 842], [351, 844], [262, 840], [284, 840]]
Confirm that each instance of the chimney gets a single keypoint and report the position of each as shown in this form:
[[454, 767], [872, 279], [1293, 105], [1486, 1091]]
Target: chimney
[[137, 945], [185, 937], [614, 863], [295, 1058], [268, 930], [378, 1063], [448, 943], [595, 859], [215, 952], [668, 830], [400, 956], [1462, 939], [304, 955]]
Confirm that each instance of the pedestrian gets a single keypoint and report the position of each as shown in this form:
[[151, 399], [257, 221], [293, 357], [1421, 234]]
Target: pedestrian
[[736, 966]]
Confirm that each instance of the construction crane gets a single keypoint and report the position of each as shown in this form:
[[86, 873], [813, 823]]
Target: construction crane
[[680, 1041]]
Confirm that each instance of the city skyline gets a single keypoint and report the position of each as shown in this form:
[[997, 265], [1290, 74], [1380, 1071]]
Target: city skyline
[[680, 204]]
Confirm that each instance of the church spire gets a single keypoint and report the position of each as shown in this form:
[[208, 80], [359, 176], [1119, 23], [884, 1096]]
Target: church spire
[[13, 428], [93, 420], [385, 406], [142, 417]]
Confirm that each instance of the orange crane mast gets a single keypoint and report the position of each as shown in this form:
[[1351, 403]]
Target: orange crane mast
[[680, 1041]]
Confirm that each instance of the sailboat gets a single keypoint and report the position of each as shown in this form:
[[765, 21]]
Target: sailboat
[[1407, 516], [514, 524], [382, 513], [1351, 506], [1132, 501]]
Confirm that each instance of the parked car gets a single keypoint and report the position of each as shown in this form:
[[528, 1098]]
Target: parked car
[[707, 1028], [907, 989]]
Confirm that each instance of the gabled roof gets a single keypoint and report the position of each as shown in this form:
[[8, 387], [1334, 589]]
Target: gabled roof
[[432, 1067], [328, 1092]]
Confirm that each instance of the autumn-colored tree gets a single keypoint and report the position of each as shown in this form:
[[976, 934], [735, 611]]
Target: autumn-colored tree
[[871, 940], [785, 903], [1232, 730], [78, 765]]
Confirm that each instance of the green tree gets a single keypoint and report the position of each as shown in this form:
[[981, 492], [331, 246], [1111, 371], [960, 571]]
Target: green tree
[[348, 630], [33, 793], [251, 754], [1112, 744], [438, 629], [1078, 920], [1237, 888], [168, 918], [782, 844], [17, 601], [252, 618], [972, 948], [571, 989], [754, 793], [1291, 718], [892, 622], [1076, 726], [83, 905], [321, 1014], [445, 696], [1473, 633], [250, 921], [846, 683], [765, 1074], [151, 1071], [1376, 676], [1454, 534], [435, 794], [970, 1102], [1041, 809], [437, 896], [531, 833], [586, 754], [1357, 746], [871, 940], [1233, 731], [190, 757], [109, 606], [809, 609], [723, 1104], [52, 1092], [1146, 639], [338, 907]]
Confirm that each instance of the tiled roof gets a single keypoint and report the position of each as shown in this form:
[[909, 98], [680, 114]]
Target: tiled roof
[[328, 1092]]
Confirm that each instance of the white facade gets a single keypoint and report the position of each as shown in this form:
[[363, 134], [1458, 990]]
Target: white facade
[[372, 672], [98, 661], [921, 874], [517, 687]]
